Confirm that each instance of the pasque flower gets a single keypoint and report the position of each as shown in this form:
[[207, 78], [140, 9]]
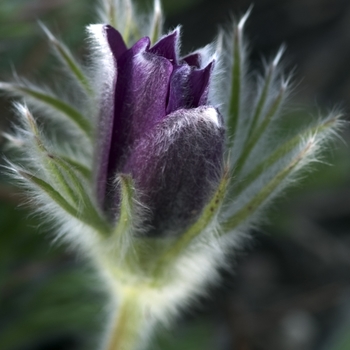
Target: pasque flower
[[156, 125], [160, 164]]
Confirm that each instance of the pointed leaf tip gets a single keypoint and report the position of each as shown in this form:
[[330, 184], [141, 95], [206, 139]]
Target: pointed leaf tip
[[243, 20], [278, 56]]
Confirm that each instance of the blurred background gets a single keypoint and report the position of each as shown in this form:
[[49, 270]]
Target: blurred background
[[289, 289]]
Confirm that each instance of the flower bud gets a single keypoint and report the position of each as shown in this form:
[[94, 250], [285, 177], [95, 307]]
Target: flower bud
[[177, 166], [160, 130]]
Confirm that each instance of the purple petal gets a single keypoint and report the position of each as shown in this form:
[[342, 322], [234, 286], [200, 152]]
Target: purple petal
[[140, 103], [177, 166], [178, 90], [146, 130], [115, 41], [167, 46], [193, 60], [199, 85]]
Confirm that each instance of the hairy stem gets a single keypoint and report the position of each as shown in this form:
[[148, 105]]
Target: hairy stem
[[128, 323]]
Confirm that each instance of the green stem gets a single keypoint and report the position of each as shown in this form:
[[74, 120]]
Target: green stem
[[128, 323]]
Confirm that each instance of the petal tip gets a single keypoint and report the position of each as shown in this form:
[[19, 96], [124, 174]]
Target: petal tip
[[115, 41], [168, 46]]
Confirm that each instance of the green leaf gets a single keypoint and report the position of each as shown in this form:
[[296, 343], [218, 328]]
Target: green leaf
[[67, 58], [237, 78], [67, 179], [284, 149], [89, 211], [236, 84], [51, 101], [52, 193], [81, 168], [271, 112], [49, 160], [59, 200], [262, 99], [263, 195]]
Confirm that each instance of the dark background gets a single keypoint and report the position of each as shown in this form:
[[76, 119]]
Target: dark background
[[289, 289]]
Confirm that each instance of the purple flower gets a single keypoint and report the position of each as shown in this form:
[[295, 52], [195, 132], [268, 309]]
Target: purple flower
[[156, 125]]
